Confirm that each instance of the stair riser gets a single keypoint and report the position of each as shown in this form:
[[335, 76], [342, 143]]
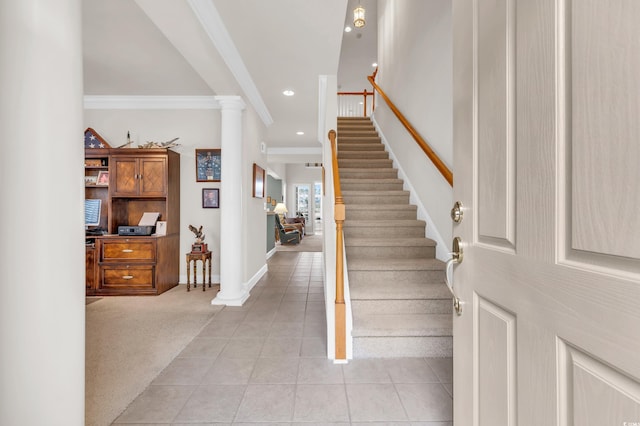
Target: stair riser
[[361, 146], [365, 164], [383, 232], [388, 284], [374, 214], [398, 347], [363, 155], [376, 199], [364, 122], [359, 140], [357, 133], [390, 252], [392, 186], [415, 306]]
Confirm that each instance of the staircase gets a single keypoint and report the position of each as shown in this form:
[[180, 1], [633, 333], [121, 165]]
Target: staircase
[[401, 306]]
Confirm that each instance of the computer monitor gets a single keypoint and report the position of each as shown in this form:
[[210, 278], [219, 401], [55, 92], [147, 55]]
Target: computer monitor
[[92, 212]]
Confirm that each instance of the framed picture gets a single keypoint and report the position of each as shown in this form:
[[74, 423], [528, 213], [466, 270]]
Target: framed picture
[[90, 180], [103, 178], [208, 162], [268, 199], [258, 181], [210, 198]]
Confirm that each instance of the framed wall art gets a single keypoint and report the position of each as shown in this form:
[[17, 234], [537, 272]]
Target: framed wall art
[[210, 198], [258, 181], [103, 178], [208, 164]]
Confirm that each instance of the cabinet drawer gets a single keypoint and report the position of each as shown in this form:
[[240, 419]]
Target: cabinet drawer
[[129, 250], [127, 276]]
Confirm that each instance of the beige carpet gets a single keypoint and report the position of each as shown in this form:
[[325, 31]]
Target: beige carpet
[[130, 339], [309, 243]]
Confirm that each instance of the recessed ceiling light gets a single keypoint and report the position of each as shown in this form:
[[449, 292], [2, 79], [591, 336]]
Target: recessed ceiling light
[[375, 64], [300, 133], [288, 92], [347, 29]]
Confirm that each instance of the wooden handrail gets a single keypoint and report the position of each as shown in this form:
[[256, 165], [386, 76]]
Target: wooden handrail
[[339, 216], [442, 168]]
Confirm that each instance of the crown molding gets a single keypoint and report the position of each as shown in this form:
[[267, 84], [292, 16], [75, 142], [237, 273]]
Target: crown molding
[[213, 25], [151, 102]]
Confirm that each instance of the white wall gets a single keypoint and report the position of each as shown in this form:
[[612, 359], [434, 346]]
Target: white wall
[[415, 71], [254, 228], [197, 129]]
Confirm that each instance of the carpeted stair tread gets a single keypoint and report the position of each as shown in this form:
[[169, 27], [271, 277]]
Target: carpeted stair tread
[[356, 138], [385, 223], [427, 290], [396, 207], [373, 181], [396, 265], [389, 242], [369, 163], [402, 325], [356, 192]]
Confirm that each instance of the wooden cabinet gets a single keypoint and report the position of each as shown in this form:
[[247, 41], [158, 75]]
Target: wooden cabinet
[[140, 180], [137, 265], [139, 176]]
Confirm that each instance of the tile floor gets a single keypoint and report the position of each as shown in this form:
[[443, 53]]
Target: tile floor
[[265, 362]]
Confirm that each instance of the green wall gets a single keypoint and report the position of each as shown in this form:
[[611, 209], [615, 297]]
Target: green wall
[[274, 190]]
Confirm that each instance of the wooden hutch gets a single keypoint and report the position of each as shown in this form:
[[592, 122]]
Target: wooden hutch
[[139, 181]]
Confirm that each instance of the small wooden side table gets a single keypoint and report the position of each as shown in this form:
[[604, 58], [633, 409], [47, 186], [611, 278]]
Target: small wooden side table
[[204, 257]]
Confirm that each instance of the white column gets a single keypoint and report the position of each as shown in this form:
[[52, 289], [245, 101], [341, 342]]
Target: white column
[[233, 291], [42, 290]]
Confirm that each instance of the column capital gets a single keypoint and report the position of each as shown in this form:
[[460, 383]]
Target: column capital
[[230, 102]]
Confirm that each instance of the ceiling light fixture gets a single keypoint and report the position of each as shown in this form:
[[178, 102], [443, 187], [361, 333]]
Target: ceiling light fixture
[[288, 92], [300, 133], [358, 17], [347, 29]]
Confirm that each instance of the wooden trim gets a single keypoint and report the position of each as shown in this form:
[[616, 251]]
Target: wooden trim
[[442, 168]]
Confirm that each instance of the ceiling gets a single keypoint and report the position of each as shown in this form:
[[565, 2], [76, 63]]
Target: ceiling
[[252, 48]]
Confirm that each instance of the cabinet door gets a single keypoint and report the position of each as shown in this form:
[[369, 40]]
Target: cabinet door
[[153, 177], [125, 180]]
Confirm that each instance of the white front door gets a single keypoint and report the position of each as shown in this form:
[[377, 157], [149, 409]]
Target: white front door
[[547, 166]]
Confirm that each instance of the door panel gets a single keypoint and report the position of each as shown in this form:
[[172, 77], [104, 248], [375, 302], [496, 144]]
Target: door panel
[[125, 182], [153, 181], [594, 393], [495, 356], [496, 138], [601, 47], [546, 154]]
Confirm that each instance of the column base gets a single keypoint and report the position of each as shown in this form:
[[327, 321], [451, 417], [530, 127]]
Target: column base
[[233, 301]]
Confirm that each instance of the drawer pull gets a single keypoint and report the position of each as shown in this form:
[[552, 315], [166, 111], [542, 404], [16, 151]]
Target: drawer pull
[[127, 251], [127, 277]]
